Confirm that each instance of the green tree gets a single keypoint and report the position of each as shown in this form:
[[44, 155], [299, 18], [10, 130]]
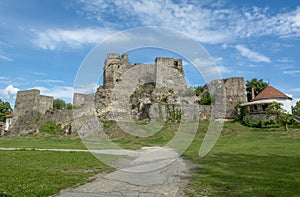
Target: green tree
[[296, 109], [5, 109], [206, 100], [69, 106], [258, 85], [281, 115], [198, 90], [59, 104]]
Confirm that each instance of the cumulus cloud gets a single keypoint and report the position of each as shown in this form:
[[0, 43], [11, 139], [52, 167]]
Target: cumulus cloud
[[10, 91], [206, 23], [63, 92], [52, 39], [252, 55], [203, 21]]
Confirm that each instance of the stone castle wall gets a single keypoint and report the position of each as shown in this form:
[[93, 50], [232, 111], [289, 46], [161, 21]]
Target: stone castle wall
[[227, 93], [121, 80], [31, 100]]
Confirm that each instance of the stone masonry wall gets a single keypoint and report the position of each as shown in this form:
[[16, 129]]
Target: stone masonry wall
[[228, 93], [27, 100], [46, 103]]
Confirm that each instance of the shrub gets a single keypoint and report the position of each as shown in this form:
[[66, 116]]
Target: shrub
[[252, 123], [51, 128], [206, 100]]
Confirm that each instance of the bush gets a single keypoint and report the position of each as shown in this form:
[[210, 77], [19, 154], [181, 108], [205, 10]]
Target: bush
[[252, 123], [206, 100], [51, 128]]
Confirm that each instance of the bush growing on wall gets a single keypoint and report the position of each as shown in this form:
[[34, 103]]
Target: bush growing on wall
[[51, 128]]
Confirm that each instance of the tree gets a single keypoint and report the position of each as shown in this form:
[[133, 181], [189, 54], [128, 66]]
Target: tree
[[281, 115], [5, 109], [199, 90], [59, 104], [258, 85], [296, 109], [69, 106]]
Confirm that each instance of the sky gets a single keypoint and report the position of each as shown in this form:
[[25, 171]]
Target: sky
[[44, 42]]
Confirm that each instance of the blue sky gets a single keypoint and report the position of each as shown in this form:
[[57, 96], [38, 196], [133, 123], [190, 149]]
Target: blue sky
[[43, 42]]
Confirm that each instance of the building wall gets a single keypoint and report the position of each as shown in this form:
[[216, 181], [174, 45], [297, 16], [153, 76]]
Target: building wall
[[8, 122], [286, 105]]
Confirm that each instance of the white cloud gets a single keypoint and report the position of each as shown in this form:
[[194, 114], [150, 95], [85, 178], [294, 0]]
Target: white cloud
[[209, 70], [295, 90], [252, 55], [38, 73], [52, 39], [294, 101], [200, 20], [50, 81], [10, 91], [6, 58], [294, 73], [63, 92]]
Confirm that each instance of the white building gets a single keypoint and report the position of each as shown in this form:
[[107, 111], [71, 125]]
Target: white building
[[8, 121], [269, 95]]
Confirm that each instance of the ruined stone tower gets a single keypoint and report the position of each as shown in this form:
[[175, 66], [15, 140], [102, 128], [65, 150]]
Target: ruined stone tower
[[31, 100]]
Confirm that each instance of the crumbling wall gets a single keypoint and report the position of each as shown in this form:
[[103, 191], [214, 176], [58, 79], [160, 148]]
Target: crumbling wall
[[227, 94], [46, 103], [27, 100], [115, 67], [31, 100], [169, 73]]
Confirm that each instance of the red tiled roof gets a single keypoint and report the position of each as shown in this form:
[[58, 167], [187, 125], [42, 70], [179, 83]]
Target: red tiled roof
[[270, 93], [9, 115]]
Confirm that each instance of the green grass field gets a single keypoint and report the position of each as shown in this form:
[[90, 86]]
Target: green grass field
[[244, 162], [44, 173]]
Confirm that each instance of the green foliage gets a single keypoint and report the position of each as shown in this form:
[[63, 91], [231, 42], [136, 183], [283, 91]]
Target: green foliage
[[281, 116], [252, 123], [241, 112], [190, 91], [206, 100], [258, 85], [51, 128], [199, 90], [69, 106], [5, 109], [59, 104], [160, 113], [173, 114], [296, 109]]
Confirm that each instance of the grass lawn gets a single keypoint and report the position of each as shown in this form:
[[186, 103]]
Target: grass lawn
[[44, 173], [40, 141], [248, 162], [244, 162]]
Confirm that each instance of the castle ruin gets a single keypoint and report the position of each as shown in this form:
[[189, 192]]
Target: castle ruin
[[142, 88]]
